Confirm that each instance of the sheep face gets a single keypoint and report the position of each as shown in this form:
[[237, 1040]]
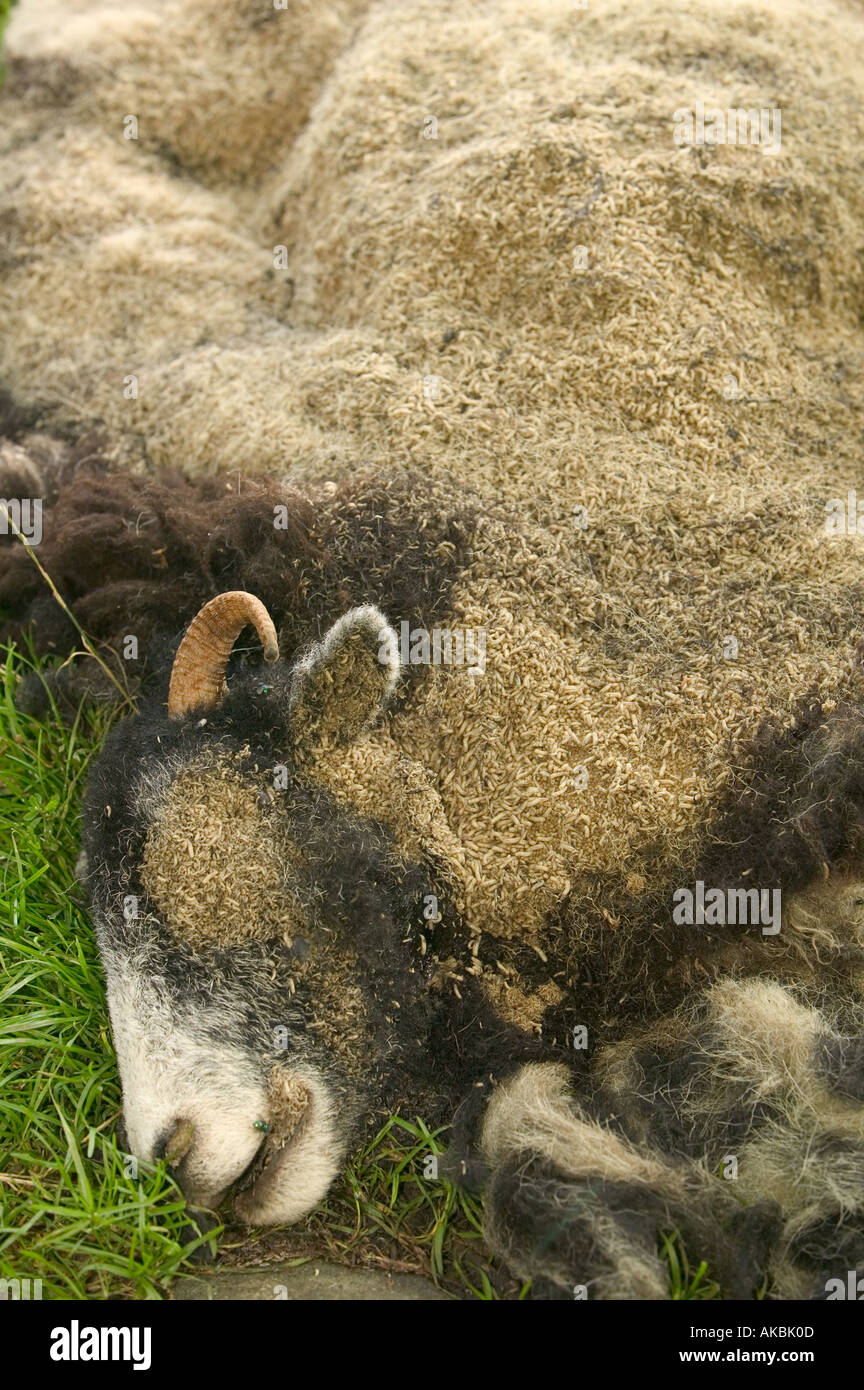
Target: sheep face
[[255, 933]]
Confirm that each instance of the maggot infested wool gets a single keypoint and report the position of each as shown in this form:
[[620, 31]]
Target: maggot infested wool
[[615, 464]]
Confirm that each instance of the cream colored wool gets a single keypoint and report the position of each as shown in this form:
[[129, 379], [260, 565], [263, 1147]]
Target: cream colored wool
[[693, 381]]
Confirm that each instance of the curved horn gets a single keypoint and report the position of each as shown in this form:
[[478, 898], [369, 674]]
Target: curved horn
[[198, 673]]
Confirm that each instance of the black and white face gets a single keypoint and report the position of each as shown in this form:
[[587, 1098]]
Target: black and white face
[[200, 1085], [253, 929]]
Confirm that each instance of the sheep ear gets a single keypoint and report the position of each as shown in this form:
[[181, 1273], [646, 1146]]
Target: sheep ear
[[341, 683]]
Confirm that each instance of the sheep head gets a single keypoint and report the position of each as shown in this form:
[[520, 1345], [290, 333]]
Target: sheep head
[[253, 926]]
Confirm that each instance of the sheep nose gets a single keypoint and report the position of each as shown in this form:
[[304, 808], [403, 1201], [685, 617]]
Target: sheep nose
[[203, 1166], [175, 1142]]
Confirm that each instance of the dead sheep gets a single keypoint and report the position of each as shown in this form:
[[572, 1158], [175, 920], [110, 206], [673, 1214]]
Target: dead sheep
[[563, 382], [261, 855], [272, 966]]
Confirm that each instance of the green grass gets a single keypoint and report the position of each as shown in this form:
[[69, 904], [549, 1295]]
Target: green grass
[[71, 1213], [387, 1213], [684, 1282], [5, 12]]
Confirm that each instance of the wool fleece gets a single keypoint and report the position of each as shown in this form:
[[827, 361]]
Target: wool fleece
[[476, 296], [500, 269]]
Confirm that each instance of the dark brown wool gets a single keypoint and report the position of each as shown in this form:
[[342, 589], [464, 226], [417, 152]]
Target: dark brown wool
[[136, 555]]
